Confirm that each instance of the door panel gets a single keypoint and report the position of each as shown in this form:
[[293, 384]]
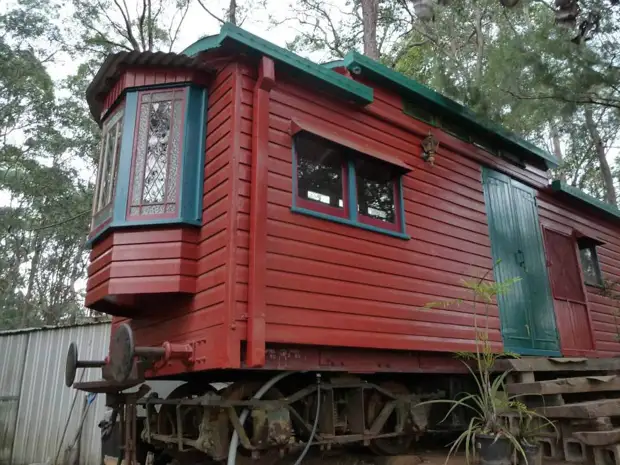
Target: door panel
[[526, 310], [534, 271], [502, 228], [571, 306]]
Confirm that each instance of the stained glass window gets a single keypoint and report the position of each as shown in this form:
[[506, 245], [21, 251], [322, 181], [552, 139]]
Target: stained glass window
[[108, 168], [157, 153]]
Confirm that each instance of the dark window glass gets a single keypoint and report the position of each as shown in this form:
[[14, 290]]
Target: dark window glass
[[319, 171], [375, 189], [590, 265]]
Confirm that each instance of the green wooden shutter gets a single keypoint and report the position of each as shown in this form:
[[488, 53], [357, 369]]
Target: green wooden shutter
[[539, 304], [526, 310]]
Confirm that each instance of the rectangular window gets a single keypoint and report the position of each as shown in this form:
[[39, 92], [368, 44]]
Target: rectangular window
[[589, 263], [330, 177], [108, 167], [157, 154]]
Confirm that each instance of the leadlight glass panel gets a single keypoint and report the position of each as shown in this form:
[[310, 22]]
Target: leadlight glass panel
[[157, 154]]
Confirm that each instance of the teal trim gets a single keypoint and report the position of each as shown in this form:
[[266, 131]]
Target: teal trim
[[333, 64], [348, 222], [192, 172], [328, 79], [130, 224], [409, 88], [352, 190], [124, 163], [602, 207]]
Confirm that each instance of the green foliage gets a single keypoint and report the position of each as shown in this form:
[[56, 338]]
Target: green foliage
[[489, 404]]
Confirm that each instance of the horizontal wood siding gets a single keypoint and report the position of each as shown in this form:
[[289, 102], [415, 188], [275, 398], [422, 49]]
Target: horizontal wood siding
[[336, 285], [202, 320], [559, 214]]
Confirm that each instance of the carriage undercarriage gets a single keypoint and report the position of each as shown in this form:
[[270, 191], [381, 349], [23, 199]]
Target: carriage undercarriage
[[287, 414]]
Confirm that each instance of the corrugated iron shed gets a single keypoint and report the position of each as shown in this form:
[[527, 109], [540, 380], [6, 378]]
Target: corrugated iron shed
[[39, 415]]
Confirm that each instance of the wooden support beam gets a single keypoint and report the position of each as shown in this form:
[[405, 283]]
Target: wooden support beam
[[557, 364], [567, 385], [585, 410], [598, 438]]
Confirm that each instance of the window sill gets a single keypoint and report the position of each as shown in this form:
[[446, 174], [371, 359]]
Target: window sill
[[99, 233], [348, 222]]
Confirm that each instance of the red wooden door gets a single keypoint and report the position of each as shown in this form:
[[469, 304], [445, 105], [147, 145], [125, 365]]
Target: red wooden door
[[569, 294]]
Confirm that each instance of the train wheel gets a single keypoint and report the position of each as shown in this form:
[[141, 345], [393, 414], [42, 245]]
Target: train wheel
[[166, 418], [398, 420], [245, 391]]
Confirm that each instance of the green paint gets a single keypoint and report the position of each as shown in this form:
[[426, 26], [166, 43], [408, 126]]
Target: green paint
[[126, 154], [322, 76], [424, 97], [348, 222], [526, 310], [577, 194]]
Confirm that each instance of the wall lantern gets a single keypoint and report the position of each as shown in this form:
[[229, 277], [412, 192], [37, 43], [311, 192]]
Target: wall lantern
[[429, 148]]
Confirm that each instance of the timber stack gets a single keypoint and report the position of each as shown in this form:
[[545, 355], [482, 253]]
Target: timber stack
[[580, 396]]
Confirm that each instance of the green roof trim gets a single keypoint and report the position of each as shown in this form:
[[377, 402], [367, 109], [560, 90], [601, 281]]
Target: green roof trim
[[578, 194], [361, 64], [330, 80]]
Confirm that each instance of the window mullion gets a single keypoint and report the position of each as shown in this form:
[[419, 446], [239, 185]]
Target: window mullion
[[104, 169], [351, 189], [99, 176], [114, 152], [146, 154]]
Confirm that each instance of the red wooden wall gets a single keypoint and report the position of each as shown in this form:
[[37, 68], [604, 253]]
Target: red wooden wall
[[563, 217], [328, 284]]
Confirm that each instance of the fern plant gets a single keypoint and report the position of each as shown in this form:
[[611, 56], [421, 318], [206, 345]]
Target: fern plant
[[489, 403]]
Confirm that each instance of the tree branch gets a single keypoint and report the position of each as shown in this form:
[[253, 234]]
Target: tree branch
[[210, 13]]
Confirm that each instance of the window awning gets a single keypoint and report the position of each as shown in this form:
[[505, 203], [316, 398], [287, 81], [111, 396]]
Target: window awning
[[350, 140]]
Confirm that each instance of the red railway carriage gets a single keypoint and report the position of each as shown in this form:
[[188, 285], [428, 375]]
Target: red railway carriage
[[257, 212]]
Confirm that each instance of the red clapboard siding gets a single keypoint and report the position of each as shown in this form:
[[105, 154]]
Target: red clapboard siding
[[324, 277], [558, 214], [202, 319]]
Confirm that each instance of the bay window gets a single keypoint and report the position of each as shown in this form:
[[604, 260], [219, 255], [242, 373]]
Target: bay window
[[152, 156]]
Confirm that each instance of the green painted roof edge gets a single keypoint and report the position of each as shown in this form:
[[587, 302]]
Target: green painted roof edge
[[578, 194], [352, 90], [357, 62]]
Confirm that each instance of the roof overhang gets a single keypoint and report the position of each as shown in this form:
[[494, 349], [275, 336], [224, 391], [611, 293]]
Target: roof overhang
[[115, 64], [295, 65], [409, 88], [586, 200]]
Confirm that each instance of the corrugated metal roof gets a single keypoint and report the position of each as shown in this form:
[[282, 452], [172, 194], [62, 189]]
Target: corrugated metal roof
[[114, 64], [48, 327]]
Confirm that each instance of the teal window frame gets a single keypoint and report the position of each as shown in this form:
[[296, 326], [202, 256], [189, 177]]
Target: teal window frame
[[191, 176], [351, 217]]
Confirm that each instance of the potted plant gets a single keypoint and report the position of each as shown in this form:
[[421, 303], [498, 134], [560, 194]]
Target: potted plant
[[487, 435], [529, 425]]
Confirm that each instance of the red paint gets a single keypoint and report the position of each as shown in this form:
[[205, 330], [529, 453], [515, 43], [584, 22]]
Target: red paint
[[133, 77], [569, 294], [260, 286], [255, 355]]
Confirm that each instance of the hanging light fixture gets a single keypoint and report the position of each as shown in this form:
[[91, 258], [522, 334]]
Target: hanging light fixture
[[429, 148]]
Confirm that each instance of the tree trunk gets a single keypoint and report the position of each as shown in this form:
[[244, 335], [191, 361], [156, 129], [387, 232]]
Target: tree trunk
[[557, 149], [232, 12], [34, 268], [608, 180], [370, 12]]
